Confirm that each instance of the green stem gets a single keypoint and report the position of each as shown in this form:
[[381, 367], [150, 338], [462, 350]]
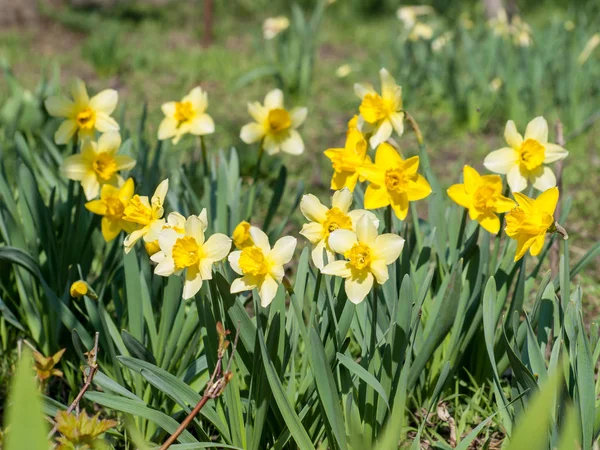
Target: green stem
[[374, 322], [204, 156], [461, 231], [389, 219], [261, 151]]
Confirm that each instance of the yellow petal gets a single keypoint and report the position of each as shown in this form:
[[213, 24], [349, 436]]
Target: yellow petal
[[124, 162], [109, 142], [274, 99], [160, 193], [293, 143], [202, 125], [110, 228], [547, 201], [198, 98], [96, 207], [471, 178], [537, 245], [387, 157], [418, 189], [169, 109], [60, 106], [252, 132], [376, 197], [399, 204], [127, 190], [490, 222], [381, 134], [65, 132], [105, 101], [459, 195], [79, 93], [524, 243], [503, 204], [524, 202], [75, 167], [373, 173]]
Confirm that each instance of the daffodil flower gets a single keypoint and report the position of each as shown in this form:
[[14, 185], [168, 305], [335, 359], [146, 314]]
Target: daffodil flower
[[380, 114], [324, 221], [275, 124], [191, 252], [393, 181], [525, 158], [83, 114], [187, 116], [367, 257], [482, 196], [45, 365], [175, 221], [111, 206], [148, 214], [531, 220], [347, 160], [97, 164], [241, 235], [261, 266]]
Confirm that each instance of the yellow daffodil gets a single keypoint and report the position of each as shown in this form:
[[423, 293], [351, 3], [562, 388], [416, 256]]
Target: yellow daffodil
[[191, 252], [187, 116], [80, 431], [275, 124], [148, 214], [408, 14], [482, 196], [260, 265], [531, 220], [525, 157], [83, 114], [393, 181], [420, 31], [241, 236], [78, 289], [367, 257], [352, 124], [45, 366], [347, 160], [380, 114], [111, 206], [175, 221], [97, 164], [272, 26], [324, 221]]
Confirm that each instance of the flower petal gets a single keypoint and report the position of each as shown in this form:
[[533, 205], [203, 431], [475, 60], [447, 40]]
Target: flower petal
[[503, 204], [110, 228], [169, 109], [245, 283], [217, 246], [166, 240], [165, 268], [160, 193], [75, 167], [105, 123], [338, 269], [458, 194], [366, 231], [547, 200], [258, 112], [376, 197], [340, 241], [317, 254], [167, 128], [267, 291], [501, 161], [96, 207], [554, 153], [512, 137], [387, 157], [79, 93], [90, 186], [283, 250], [298, 116], [537, 129], [274, 99], [252, 132], [358, 288], [105, 101], [381, 134], [260, 239], [198, 98], [65, 132], [356, 214], [397, 120], [363, 89], [545, 180], [388, 247], [293, 143], [195, 229], [193, 283], [490, 222], [202, 125], [313, 209], [313, 231], [60, 106], [516, 180], [234, 262], [418, 189], [380, 270], [342, 200]]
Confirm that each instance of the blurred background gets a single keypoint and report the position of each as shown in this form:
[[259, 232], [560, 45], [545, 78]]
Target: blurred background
[[465, 66]]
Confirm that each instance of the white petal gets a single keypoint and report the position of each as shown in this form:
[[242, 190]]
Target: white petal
[[79, 93], [166, 239], [59, 106], [193, 283], [194, 228], [358, 213], [340, 241], [153, 230], [342, 199], [105, 123], [271, 144], [252, 132], [260, 239], [537, 129], [245, 283], [167, 128], [267, 291], [388, 84], [388, 247], [358, 288], [363, 89], [380, 270], [65, 132], [397, 120], [293, 143], [545, 181], [105, 101], [501, 161], [338, 269], [165, 268], [313, 209], [202, 125], [317, 254], [217, 246], [554, 153], [366, 232], [203, 216], [516, 180], [90, 186], [382, 134], [298, 116], [160, 193], [176, 220], [133, 237], [258, 112], [109, 142], [283, 250], [313, 231], [234, 261], [75, 167], [198, 98], [274, 99], [512, 136], [169, 109]]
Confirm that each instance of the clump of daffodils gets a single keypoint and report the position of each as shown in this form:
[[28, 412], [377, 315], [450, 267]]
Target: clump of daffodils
[[346, 161], [274, 125], [526, 157], [83, 115], [111, 206]]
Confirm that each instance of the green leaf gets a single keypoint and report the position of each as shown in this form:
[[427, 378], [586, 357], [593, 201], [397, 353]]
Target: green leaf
[[364, 375], [25, 423]]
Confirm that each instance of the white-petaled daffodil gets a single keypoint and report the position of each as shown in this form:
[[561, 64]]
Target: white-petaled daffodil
[[367, 257], [187, 116], [525, 158], [380, 114], [97, 164], [191, 252], [83, 114], [324, 221], [260, 265], [275, 125], [148, 214]]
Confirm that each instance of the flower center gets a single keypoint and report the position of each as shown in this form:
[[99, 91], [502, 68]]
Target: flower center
[[105, 166], [336, 219], [186, 252], [396, 180], [279, 119], [86, 118], [359, 256], [484, 198], [184, 112], [373, 108], [137, 212], [532, 154], [253, 261], [114, 207]]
